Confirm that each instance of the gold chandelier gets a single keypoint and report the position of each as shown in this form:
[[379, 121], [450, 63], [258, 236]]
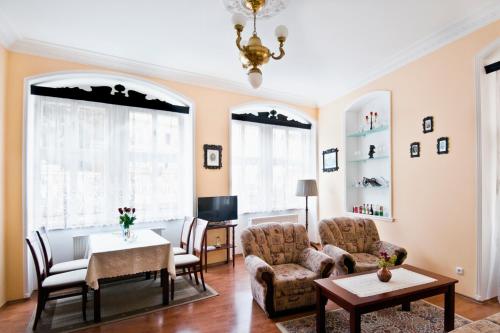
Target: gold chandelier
[[253, 55]]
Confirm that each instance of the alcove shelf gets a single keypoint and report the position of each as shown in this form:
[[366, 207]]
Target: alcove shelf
[[360, 134]]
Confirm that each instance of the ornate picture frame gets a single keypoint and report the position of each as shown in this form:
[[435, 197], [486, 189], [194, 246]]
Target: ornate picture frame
[[415, 149], [212, 156], [330, 160], [443, 145], [428, 124]]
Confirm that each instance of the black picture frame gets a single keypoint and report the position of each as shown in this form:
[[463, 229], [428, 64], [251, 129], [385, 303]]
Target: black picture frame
[[415, 149], [211, 161], [443, 145], [331, 160], [428, 124]]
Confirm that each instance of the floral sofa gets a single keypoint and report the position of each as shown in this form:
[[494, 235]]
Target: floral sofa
[[355, 245], [488, 325], [282, 266]]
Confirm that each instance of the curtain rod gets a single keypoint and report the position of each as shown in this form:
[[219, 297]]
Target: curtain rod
[[270, 118]]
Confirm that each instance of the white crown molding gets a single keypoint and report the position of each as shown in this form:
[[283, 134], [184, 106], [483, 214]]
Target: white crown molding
[[53, 51], [486, 15], [7, 34]]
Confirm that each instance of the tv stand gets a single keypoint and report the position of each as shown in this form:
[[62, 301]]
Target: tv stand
[[229, 246]]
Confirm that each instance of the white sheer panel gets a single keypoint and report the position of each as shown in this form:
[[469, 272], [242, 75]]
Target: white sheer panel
[[87, 159], [266, 162]]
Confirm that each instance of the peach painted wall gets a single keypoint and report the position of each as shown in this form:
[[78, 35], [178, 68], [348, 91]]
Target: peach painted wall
[[434, 196], [212, 127], [3, 78]]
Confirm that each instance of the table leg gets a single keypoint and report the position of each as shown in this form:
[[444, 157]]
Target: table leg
[[449, 309], [406, 306], [206, 252], [165, 285], [234, 247], [320, 311], [355, 322], [97, 305], [227, 244]]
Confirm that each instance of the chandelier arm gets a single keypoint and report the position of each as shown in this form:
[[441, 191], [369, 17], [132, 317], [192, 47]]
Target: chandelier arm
[[281, 54], [238, 39]]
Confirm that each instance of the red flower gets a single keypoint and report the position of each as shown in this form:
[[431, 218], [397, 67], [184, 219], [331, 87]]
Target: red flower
[[120, 210], [133, 210]]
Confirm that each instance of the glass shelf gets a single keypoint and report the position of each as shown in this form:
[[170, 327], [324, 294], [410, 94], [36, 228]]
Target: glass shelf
[[368, 132], [370, 187], [369, 159]]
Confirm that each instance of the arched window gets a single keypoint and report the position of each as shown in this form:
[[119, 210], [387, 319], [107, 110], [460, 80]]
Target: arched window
[[271, 148], [96, 142]]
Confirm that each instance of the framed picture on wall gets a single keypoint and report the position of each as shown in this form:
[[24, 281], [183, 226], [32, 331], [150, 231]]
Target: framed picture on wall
[[428, 124], [330, 160], [415, 149], [443, 145], [212, 156]]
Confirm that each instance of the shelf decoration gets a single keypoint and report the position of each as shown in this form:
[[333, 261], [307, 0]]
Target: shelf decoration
[[443, 145], [428, 124], [212, 156], [330, 160], [415, 149]]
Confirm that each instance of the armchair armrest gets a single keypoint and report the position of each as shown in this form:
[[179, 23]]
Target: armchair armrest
[[317, 262], [258, 268], [391, 249], [344, 262]]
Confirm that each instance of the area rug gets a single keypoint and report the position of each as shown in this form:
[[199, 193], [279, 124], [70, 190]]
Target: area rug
[[424, 317], [119, 301]]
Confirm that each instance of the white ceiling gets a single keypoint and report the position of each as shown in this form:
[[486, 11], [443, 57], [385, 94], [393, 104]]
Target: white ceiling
[[333, 45]]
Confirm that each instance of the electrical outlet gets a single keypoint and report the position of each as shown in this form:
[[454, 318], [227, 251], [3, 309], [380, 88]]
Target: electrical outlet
[[459, 270]]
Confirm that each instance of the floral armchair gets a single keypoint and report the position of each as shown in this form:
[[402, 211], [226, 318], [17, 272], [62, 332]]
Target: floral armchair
[[282, 266], [355, 245]]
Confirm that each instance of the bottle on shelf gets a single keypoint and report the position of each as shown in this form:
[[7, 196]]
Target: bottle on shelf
[[381, 212], [371, 209]]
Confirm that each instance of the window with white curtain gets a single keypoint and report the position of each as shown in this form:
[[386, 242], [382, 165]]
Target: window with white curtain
[[86, 159], [266, 162]]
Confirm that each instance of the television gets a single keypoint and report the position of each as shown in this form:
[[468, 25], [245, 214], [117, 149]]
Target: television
[[218, 209]]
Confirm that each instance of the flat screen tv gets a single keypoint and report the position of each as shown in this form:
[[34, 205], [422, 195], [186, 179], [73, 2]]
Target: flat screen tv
[[218, 209]]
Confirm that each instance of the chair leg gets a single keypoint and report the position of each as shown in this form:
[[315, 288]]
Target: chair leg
[[85, 289], [172, 284], [202, 279], [39, 307], [155, 275], [188, 272], [196, 276]]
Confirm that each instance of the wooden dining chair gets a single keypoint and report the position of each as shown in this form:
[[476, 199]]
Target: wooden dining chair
[[186, 232], [57, 282], [192, 262], [61, 267]]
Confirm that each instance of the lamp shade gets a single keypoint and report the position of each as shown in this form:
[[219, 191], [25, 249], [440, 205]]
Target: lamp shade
[[307, 188]]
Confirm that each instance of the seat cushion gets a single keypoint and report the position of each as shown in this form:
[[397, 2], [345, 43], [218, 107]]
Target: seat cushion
[[65, 279], [365, 262], [293, 279], [185, 259], [67, 266], [481, 326], [179, 250]]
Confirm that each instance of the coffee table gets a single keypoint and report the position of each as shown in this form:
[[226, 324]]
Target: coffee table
[[326, 290]]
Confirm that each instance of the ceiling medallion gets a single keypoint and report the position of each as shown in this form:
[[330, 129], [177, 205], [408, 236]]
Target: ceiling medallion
[[269, 9], [252, 53]]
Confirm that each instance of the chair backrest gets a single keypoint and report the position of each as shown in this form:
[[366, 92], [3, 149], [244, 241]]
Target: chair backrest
[[199, 229], [45, 246], [350, 234], [187, 230], [275, 243], [34, 247]]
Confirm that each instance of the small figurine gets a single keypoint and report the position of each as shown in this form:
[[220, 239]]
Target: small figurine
[[372, 151]]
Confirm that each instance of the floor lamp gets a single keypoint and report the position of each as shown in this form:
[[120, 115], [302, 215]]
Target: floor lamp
[[307, 188]]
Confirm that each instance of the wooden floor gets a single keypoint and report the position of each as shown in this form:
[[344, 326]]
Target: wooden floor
[[232, 311]]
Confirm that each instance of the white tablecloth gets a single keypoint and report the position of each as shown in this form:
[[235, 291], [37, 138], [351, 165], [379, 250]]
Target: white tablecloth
[[369, 285], [111, 256]]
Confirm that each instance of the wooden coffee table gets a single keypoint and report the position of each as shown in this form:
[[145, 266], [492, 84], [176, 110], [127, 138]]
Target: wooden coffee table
[[356, 306]]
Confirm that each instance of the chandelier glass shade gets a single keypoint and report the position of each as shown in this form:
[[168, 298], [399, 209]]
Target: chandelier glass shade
[[253, 54]]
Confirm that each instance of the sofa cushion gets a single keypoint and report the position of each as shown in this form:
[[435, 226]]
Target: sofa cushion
[[293, 279], [351, 235], [365, 262], [481, 326]]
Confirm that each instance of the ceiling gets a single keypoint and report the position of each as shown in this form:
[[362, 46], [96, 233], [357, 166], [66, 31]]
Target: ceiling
[[333, 45]]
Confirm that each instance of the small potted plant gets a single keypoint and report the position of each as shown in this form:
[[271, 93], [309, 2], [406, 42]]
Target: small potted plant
[[385, 261], [127, 218]]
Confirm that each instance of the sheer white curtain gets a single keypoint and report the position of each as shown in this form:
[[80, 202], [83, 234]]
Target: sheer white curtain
[[266, 162], [86, 159]]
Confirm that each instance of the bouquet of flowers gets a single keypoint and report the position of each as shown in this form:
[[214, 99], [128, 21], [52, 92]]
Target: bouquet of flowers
[[127, 217], [386, 261]]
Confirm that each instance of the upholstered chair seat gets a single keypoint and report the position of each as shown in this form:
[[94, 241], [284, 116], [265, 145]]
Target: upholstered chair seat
[[354, 244], [68, 266], [282, 266]]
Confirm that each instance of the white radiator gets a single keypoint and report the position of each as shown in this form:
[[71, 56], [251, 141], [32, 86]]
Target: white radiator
[[293, 218], [80, 246]]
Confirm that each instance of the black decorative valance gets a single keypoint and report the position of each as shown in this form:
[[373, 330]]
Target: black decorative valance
[[104, 94], [492, 67], [270, 118]]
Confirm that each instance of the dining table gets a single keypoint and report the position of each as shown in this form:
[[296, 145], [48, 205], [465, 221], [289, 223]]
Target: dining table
[[113, 256]]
